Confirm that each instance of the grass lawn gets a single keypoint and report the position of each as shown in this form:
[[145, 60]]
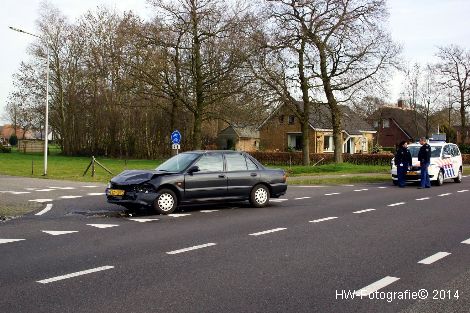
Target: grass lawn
[[64, 167], [331, 169]]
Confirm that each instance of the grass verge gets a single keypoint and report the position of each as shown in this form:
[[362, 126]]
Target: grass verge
[[342, 180]]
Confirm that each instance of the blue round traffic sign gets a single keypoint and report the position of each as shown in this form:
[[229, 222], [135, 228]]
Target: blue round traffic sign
[[176, 137]]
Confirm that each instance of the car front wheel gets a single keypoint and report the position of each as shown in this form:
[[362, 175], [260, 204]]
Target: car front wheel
[[259, 196], [166, 201], [458, 179], [440, 179]]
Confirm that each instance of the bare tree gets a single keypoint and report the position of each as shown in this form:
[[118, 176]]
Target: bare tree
[[454, 67], [351, 48]]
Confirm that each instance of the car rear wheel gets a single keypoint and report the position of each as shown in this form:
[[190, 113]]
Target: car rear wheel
[[395, 182], [166, 201], [458, 179], [440, 178], [259, 196]]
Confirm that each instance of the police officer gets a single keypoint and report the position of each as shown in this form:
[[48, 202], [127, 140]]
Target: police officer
[[424, 158], [402, 162]]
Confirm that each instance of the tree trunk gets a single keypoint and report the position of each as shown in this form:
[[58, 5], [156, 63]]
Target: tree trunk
[[306, 109], [463, 118]]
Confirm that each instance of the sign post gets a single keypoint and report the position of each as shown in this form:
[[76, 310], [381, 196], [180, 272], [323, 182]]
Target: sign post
[[176, 140]]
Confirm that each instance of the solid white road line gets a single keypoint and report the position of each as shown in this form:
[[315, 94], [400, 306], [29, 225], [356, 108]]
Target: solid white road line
[[444, 194], [396, 204], [178, 215], [58, 233], [9, 240], [421, 199], [464, 190], [41, 200], [293, 186], [332, 194], [364, 211], [191, 248], [96, 194], [208, 211], [348, 185], [71, 275], [90, 186], [143, 220], [102, 225], [433, 258], [376, 286], [70, 197], [301, 198], [45, 210], [267, 231], [467, 242], [323, 219]]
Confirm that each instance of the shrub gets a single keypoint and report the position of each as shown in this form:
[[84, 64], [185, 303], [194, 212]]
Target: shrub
[[464, 148], [4, 149]]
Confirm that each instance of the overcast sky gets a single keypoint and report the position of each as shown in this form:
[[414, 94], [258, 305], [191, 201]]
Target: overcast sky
[[418, 25]]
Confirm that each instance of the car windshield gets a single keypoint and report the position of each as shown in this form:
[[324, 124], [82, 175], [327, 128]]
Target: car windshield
[[178, 162], [435, 151]]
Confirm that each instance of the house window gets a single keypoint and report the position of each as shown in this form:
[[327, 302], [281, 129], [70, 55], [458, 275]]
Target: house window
[[291, 119], [294, 141], [281, 119], [385, 123], [328, 143], [376, 124]]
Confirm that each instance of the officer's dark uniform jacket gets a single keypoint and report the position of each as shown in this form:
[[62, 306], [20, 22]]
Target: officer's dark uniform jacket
[[403, 157], [424, 155]]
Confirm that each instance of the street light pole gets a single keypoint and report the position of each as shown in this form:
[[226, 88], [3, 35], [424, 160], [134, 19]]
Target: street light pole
[[46, 126]]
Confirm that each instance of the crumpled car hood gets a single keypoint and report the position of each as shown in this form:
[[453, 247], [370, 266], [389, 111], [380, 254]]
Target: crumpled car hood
[[130, 177]]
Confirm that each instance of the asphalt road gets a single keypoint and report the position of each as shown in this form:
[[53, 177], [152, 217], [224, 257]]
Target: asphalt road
[[312, 251]]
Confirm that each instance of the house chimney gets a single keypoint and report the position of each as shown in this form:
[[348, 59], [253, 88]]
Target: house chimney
[[401, 103]]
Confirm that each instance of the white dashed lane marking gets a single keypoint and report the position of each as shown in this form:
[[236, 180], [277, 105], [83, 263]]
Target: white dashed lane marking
[[396, 204], [143, 220], [332, 194], [301, 198], [364, 211], [58, 232], [70, 197], [44, 189], [421, 199], [96, 194], [365, 189], [71, 275], [376, 286], [267, 231], [444, 194], [41, 200], [45, 210], [433, 258], [323, 219], [192, 248], [90, 186], [102, 225], [382, 187], [467, 242], [178, 215], [63, 188], [278, 200], [464, 190], [208, 211], [9, 240]]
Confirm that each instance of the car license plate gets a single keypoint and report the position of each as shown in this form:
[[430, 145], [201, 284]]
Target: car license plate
[[116, 192], [412, 173]]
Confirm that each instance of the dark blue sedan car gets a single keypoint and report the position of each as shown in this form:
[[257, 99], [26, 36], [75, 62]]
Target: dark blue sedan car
[[198, 176]]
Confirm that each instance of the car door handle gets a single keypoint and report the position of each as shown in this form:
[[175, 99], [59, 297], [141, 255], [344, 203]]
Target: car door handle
[[254, 174], [221, 176]]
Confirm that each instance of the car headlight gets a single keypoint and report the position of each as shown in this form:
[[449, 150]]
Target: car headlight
[[109, 185]]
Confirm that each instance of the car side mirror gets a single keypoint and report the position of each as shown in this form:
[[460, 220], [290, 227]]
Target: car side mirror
[[446, 156], [193, 169]]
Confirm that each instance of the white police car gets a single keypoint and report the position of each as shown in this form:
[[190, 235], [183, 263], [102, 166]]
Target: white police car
[[446, 163]]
